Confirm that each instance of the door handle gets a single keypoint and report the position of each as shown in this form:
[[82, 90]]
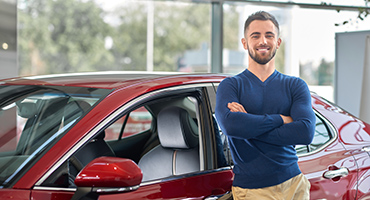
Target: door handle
[[366, 149], [336, 173]]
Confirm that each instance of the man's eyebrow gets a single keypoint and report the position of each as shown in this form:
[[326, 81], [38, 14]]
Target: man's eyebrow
[[255, 33], [258, 33]]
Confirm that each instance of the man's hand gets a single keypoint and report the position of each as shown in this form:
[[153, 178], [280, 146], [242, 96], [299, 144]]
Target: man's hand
[[286, 119], [236, 107]]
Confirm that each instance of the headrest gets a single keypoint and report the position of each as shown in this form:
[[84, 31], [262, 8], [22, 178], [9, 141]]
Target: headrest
[[27, 109], [176, 129]]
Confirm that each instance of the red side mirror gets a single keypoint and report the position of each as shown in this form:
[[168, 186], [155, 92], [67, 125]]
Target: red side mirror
[[109, 172], [108, 175]]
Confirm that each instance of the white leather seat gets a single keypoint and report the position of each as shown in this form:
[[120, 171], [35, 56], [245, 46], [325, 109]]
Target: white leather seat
[[178, 152]]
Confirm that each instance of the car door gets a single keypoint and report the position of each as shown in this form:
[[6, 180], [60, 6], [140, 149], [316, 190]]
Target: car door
[[355, 138], [211, 180], [330, 168], [339, 150]]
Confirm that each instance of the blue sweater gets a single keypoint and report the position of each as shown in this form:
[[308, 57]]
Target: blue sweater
[[261, 145]]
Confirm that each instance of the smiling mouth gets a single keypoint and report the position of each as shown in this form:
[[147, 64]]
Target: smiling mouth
[[263, 49]]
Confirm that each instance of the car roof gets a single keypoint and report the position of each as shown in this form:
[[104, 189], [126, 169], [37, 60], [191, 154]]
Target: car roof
[[110, 79]]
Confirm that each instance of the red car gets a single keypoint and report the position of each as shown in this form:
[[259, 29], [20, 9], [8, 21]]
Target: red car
[[124, 135]]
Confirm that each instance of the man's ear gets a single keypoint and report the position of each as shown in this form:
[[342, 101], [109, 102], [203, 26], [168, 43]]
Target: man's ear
[[278, 43], [244, 42]]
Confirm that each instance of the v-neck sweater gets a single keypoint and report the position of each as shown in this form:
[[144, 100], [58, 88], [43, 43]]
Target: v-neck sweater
[[261, 145]]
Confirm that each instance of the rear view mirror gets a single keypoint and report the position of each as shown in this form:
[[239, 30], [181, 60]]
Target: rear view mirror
[[107, 175]]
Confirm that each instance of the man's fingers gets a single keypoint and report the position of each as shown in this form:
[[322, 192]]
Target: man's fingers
[[236, 107], [287, 119], [233, 107]]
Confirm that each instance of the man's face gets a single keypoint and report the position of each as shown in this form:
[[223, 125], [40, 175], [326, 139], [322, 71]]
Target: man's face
[[261, 40]]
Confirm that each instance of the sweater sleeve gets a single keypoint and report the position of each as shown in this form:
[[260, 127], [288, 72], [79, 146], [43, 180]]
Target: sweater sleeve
[[237, 124], [301, 130]]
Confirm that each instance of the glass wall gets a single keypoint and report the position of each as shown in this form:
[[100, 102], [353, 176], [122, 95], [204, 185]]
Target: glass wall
[[74, 36]]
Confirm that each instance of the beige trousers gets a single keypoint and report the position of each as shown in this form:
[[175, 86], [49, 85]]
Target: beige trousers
[[296, 188]]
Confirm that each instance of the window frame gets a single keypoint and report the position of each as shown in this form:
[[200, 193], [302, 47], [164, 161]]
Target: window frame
[[331, 130], [122, 122]]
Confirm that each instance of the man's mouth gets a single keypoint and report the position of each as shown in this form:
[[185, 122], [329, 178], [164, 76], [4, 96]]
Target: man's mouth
[[263, 49]]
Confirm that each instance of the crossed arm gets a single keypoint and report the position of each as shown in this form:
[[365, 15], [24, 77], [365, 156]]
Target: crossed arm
[[280, 136], [236, 107], [277, 129]]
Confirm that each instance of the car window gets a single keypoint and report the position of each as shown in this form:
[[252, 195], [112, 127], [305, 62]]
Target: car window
[[134, 122], [108, 142], [32, 118], [322, 136]]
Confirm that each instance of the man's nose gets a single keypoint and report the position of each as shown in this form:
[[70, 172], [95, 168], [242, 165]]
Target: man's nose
[[263, 41]]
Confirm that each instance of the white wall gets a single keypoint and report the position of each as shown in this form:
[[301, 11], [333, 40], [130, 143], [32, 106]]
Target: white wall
[[365, 93], [349, 70]]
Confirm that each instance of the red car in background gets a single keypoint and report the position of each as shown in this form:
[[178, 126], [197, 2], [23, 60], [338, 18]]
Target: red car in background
[[123, 135]]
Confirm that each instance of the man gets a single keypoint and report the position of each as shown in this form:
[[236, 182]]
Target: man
[[264, 115]]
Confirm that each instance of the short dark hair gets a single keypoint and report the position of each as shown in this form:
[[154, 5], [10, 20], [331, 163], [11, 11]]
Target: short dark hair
[[261, 15]]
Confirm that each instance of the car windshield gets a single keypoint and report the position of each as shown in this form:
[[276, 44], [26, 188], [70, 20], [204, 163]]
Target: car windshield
[[32, 118]]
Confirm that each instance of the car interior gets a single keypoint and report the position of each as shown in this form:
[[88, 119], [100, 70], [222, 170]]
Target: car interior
[[161, 136]]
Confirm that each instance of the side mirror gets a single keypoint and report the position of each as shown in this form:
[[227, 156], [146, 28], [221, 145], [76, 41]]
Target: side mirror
[[107, 175]]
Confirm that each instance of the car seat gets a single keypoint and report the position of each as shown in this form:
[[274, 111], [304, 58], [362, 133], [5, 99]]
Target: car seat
[[178, 152], [97, 147]]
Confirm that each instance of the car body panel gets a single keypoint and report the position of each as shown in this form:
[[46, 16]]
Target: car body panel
[[344, 188], [345, 152], [194, 187], [15, 194], [51, 194]]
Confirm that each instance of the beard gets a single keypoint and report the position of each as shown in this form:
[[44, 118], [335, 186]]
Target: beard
[[261, 60]]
